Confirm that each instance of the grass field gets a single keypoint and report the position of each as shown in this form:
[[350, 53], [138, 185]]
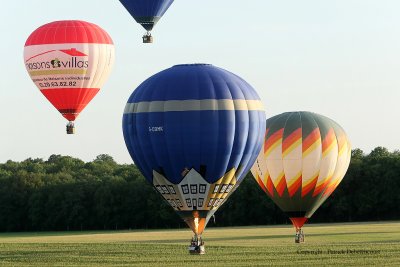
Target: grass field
[[326, 244]]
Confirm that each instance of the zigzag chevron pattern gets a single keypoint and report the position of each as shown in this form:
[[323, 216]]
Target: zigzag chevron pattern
[[304, 158]]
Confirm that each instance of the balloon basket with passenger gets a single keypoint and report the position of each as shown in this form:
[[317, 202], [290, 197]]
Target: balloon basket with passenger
[[299, 237], [197, 246], [147, 38], [298, 223], [70, 127]]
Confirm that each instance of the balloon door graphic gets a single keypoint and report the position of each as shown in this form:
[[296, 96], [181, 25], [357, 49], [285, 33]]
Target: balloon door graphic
[[194, 131], [147, 13], [304, 158], [69, 61]]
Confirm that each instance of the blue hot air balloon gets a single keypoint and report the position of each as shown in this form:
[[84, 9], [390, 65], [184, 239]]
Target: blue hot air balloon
[[194, 131], [147, 13]]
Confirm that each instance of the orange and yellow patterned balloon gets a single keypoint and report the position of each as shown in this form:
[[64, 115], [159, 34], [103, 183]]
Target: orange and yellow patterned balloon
[[304, 158]]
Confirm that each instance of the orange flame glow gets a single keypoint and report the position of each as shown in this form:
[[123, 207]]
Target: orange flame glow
[[196, 223]]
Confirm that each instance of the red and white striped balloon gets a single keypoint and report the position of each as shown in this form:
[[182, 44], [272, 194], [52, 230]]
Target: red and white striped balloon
[[69, 61]]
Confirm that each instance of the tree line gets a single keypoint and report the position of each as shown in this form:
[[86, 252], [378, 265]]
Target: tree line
[[66, 193]]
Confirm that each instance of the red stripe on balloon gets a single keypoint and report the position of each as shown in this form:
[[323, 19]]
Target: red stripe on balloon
[[270, 186], [309, 187], [321, 187], [280, 188], [261, 184], [295, 186], [69, 31], [70, 101]]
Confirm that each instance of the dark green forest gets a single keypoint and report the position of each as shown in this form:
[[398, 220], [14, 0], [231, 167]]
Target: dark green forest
[[66, 193]]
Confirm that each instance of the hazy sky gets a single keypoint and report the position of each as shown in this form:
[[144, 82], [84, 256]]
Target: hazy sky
[[337, 58]]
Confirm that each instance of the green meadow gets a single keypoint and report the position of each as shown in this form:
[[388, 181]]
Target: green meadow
[[355, 244]]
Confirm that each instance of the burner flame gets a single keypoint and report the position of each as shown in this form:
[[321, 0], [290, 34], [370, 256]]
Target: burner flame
[[196, 223]]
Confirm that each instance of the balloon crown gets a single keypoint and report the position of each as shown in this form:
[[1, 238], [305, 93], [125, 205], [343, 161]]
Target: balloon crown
[[192, 64]]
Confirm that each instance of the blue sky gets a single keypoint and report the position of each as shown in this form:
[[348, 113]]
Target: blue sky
[[337, 58]]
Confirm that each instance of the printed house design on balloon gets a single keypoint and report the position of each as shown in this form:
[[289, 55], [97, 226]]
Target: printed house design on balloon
[[194, 192], [51, 64]]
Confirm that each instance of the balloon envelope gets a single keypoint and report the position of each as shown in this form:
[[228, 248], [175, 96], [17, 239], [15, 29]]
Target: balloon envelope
[[147, 12], [69, 62], [194, 131], [304, 158]]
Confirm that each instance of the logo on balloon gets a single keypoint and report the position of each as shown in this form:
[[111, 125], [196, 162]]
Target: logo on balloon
[[69, 58], [55, 63]]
